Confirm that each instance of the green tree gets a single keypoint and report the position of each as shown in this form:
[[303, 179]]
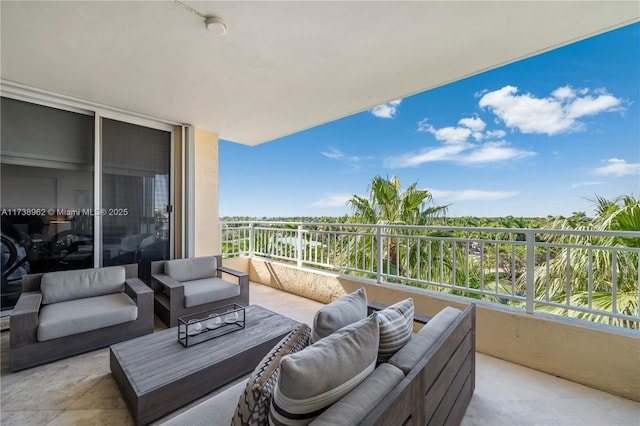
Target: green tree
[[389, 204], [612, 271]]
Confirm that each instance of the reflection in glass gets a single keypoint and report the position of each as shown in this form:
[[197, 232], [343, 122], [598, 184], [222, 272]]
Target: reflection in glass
[[46, 192], [135, 194]]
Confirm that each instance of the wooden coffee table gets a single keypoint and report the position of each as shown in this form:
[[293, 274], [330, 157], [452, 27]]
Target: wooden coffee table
[[156, 374]]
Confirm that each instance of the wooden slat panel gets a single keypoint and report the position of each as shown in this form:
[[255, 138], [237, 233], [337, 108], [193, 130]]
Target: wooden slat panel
[[448, 402], [400, 412], [440, 387], [445, 374], [462, 403]]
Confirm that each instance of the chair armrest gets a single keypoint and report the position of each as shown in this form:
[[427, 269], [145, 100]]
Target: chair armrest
[[230, 271], [142, 294], [172, 288], [419, 318], [24, 319], [134, 287], [166, 281], [243, 278]]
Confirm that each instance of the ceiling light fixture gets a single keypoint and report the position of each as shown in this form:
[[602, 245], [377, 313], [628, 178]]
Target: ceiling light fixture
[[215, 25]]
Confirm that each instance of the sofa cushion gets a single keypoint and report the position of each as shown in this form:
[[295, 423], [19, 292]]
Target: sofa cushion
[[191, 269], [396, 327], [70, 285], [407, 357], [322, 373], [254, 403], [77, 316], [355, 405], [208, 290], [342, 311], [214, 411]]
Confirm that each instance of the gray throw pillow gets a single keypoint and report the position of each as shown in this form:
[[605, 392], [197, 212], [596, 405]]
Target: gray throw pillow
[[396, 327], [342, 311], [254, 403], [313, 379]]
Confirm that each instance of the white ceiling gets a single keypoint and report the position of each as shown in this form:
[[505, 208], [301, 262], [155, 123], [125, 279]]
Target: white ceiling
[[283, 66]]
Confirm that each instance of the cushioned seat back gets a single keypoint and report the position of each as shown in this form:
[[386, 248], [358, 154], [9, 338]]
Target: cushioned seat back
[[70, 285], [195, 268]]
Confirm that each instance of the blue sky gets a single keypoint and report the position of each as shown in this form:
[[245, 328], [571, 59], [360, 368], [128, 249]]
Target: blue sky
[[533, 138]]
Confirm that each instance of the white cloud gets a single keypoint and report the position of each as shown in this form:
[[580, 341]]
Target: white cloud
[[589, 105], [387, 110], [336, 200], [495, 134], [581, 184], [618, 167], [465, 153], [492, 152], [472, 194], [452, 135], [448, 135], [353, 161], [474, 123], [333, 153], [565, 92], [443, 153], [556, 114]]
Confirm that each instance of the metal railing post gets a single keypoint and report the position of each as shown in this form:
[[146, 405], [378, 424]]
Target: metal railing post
[[221, 236], [531, 271], [252, 233], [379, 254], [299, 246]]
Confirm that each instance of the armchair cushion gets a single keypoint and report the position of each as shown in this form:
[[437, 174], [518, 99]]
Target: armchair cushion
[[71, 285], [198, 292], [191, 269], [77, 316]]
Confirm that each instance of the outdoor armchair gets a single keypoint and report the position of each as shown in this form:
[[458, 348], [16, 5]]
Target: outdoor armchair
[[65, 313], [188, 286]]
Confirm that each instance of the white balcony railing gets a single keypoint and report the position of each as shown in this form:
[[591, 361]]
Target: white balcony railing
[[590, 275]]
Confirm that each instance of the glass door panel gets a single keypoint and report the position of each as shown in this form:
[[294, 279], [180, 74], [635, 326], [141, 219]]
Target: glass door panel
[[46, 196], [135, 194]]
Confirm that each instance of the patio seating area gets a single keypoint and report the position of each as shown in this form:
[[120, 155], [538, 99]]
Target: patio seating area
[[81, 390]]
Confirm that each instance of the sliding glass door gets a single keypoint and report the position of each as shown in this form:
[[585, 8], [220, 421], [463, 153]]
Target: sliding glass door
[[47, 192], [54, 199], [135, 194]]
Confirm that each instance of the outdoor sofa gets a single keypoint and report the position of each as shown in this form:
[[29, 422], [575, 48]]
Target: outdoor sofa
[[429, 379], [65, 313]]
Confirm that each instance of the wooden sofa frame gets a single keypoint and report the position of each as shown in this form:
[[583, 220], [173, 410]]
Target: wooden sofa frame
[[26, 351], [437, 391], [169, 294]]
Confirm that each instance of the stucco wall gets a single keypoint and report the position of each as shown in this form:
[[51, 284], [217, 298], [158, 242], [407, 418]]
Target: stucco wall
[[206, 193], [600, 357]]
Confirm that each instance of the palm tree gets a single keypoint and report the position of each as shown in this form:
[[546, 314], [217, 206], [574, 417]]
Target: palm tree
[[619, 214], [389, 204]]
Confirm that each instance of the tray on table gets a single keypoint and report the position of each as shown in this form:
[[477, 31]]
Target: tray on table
[[197, 328]]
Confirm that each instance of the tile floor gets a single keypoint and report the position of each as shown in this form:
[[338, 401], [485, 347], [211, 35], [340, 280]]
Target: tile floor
[[81, 391]]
